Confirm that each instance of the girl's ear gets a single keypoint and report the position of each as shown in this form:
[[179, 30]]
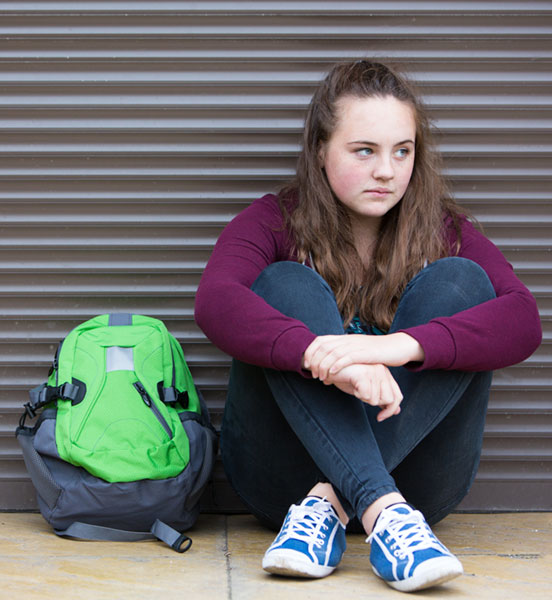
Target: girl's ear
[[321, 155]]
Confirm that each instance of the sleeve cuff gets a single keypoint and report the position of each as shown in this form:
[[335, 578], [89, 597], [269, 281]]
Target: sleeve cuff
[[438, 344], [289, 347]]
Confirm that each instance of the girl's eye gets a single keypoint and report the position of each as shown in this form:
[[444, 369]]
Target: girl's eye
[[402, 152], [364, 151]]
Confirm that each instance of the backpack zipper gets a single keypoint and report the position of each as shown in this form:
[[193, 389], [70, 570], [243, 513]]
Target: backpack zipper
[[55, 363], [150, 404]]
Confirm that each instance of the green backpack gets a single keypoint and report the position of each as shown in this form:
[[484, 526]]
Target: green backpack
[[123, 447]]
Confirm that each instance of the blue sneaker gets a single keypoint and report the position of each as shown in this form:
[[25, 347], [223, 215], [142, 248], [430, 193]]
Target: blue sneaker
[[406, 553], [310, 543]]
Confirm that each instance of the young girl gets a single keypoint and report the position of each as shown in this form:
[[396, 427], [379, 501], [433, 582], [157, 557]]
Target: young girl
[[365, 315]]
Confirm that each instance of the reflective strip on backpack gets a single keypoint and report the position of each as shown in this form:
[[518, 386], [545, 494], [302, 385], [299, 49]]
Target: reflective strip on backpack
[[119, 359]]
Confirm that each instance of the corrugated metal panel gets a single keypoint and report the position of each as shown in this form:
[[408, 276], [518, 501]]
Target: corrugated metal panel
[[133, 131]]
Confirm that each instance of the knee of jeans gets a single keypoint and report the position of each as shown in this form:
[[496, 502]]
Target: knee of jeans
[[299, 292], [281, 277], [443, 288], [460, 279], [467, 274]]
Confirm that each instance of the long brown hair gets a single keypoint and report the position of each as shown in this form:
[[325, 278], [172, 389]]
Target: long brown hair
[[410, 234]]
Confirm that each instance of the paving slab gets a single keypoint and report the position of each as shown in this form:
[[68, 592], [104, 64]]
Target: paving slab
[[36, 564], [505, 556]]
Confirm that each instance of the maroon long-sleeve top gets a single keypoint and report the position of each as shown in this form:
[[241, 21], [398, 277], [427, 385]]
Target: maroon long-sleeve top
[[489, 336]]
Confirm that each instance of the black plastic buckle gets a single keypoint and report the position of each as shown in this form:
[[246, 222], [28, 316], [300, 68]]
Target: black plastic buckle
[[38, 398], [29, 410], [38, 395], [182, 544], [62, 392], [42, 397]]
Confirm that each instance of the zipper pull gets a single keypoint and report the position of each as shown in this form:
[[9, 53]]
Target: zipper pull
[[151, 405], [142, 391]]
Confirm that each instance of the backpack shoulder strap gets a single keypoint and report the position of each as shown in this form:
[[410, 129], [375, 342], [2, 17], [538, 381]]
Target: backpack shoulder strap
[[43, 394], [179, 542]]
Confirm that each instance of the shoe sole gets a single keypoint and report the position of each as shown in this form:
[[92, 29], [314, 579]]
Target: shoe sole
[[431, 572], [293, 564]]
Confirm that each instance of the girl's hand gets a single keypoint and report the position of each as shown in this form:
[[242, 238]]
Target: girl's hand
[[329, 354], [372, 384]]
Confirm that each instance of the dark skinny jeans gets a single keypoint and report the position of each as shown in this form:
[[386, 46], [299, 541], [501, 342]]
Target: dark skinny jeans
[[282, 433]]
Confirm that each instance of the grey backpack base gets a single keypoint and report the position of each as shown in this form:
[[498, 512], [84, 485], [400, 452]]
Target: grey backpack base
[[79, 504], [71, 499]]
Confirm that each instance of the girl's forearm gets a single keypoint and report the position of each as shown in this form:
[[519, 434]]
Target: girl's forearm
[[327, 355], [407, 348]]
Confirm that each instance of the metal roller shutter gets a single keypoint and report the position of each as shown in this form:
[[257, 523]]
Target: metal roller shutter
[[133, 131]]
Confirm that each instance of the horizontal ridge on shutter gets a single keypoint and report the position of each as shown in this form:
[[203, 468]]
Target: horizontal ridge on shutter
[[134, 131]]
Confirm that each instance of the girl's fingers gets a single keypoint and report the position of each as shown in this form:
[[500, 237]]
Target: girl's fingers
[[318, 350], [375, 392], [339, 358], [372, 384], [391, 398], [369, 390], [314, 358], [387, 397], [396, 390], [327, 365], [340, 363], [385, 413], [326, 349], [390, 410]]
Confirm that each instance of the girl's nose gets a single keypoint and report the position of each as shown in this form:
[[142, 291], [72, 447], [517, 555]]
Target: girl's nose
[[383, 169]]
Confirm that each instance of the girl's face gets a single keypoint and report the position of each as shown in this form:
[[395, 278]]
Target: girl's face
[[369, 157]]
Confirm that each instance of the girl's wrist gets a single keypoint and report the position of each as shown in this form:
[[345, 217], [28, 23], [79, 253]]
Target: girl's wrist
[[410, 349]]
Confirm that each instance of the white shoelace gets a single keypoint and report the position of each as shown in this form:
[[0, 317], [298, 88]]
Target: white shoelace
[[307, 523], [409, 532]]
